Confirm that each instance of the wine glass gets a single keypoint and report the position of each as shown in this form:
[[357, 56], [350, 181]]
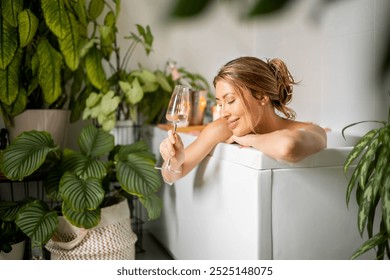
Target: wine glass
[[177, 112]]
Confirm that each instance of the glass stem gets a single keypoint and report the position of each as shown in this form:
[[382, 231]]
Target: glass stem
[[170, 158]]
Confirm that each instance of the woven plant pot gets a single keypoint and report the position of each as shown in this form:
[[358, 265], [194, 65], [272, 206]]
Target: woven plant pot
[[112, 239]]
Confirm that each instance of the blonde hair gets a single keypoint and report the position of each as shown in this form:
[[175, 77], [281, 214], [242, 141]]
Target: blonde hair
[[261, 78]]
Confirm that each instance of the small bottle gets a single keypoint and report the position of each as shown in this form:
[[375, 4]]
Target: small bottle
[[37, 250]]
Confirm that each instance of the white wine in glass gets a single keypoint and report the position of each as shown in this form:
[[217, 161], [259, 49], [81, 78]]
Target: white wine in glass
[[177, 112]]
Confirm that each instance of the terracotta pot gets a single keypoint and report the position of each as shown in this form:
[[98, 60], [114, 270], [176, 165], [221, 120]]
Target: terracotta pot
[[54, 121]]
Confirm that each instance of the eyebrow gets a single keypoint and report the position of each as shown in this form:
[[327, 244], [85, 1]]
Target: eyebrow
[[224, 95]]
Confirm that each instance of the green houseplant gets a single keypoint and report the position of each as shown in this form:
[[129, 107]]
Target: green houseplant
[[79, 181], [54, 54], [39, 53], [371, 179], [10, 233]]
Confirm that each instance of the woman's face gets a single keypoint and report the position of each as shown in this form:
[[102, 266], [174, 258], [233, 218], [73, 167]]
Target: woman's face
[[232, 109]]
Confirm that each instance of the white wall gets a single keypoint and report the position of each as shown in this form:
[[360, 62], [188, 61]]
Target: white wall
[[333, 49]]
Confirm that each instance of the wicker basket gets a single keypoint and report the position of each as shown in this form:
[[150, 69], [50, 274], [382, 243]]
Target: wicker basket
[[112, 239]]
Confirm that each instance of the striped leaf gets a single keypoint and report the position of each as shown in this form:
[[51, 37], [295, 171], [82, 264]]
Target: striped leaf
[[86, 219], [26, 154], [80, 194], [379, 238], [52, 182], [9, 210], [366, 161], [83, 166], [359, 148], [386, 201], [137, 175], [140, 148], [153, 204], [95, 142], [37, 221], [366, 202]]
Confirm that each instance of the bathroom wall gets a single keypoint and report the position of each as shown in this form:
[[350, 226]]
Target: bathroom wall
[[332, 48]]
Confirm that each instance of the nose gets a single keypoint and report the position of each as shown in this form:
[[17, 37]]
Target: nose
[[223, 112]]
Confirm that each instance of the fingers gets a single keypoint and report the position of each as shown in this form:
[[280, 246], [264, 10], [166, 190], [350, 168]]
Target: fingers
[[171, 145]]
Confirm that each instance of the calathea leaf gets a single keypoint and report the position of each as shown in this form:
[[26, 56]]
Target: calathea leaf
[[27, 154]]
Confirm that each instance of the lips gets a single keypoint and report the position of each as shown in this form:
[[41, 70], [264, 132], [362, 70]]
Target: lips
[[232, 124]]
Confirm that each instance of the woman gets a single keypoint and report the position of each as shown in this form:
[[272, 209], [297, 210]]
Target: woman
[[251, 95]]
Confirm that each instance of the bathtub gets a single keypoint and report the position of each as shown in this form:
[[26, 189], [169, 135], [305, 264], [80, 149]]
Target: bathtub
[[240, 204]]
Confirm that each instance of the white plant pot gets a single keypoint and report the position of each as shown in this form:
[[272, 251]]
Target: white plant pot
[[55, 121], [123, 132], [17, 252]]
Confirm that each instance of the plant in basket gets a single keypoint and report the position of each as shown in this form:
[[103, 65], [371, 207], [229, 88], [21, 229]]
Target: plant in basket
[[79, 181]]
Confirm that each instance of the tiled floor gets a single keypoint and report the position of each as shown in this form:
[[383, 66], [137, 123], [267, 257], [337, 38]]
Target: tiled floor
[[152, 250]]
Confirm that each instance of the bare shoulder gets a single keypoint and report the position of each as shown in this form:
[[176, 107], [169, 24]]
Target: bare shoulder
[[307, 126], [315, 130]]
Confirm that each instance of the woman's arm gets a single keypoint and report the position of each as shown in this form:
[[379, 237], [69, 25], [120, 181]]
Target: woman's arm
[[185, 159], [289, 145]]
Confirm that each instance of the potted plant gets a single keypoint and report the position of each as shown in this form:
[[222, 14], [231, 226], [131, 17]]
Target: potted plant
[[52, 56], [12, 239], [371, 179], [40, 54], [78, 180]]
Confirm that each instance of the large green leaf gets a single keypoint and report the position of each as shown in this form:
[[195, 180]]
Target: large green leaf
[[9, 81], [10, 10], [359, 148], [84, 166], [8, 43], [370, 244], [37, 221], [69, 45], [55, 17], [366, 203], [95, 142], [366, 161], [86, 219], [94, 68], [140, 148], [385, 195], [52, 182], [49, 73], [9, 209], [137, 175], [28, 25], [26, 154], [80, 194], [153, 205]]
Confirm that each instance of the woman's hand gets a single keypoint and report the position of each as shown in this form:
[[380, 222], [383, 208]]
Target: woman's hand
[[172, 147]]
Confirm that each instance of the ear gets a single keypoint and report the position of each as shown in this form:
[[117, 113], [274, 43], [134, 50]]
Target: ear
[[264, 100]]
